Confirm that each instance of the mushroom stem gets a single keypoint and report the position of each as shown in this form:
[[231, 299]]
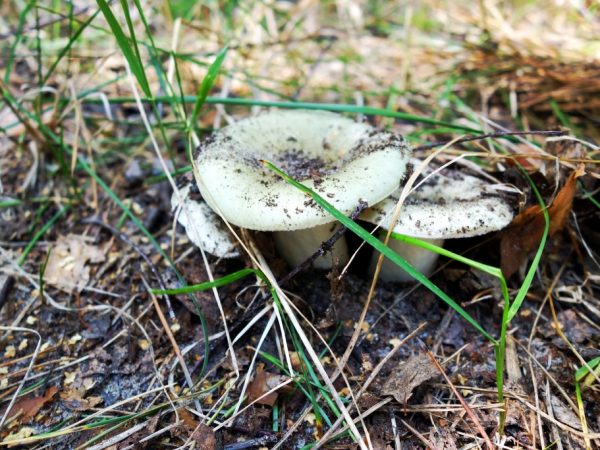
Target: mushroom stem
[[421, 259], [299, 245]]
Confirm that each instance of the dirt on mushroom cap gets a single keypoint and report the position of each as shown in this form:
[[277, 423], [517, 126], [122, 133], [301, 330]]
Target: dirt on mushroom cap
[[448, 204], [343, 160]]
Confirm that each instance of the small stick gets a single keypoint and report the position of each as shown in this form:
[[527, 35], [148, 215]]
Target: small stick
[[495, 135], [325, 246]]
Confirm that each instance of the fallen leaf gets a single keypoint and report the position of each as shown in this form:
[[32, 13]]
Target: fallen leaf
[[564, 414], [408, 376], [31, 320], [73, 399], [264, 382], [23, 433], [200, 433], [67, 266], [523, 235], [28, 407], [10, 351], [70, 377]]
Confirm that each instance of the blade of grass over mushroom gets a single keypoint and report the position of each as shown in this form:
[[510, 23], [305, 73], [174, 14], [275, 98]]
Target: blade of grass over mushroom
[[343, 108], [490, 270], [379, 246]]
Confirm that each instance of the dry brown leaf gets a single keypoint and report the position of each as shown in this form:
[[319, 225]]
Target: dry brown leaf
[[408, 376], [201, 434], [28, 407], [263, 382], [67, 266], [73, 398], [526, 230]]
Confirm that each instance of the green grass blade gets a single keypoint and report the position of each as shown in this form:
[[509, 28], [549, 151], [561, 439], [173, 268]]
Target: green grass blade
[[588, 195], [18, 35], [583, 371], [379, 246], [9, 202], [210, 284], [206, 85], [67, 48], [132, 57], [41, 232], [490, 270], [334, 107]]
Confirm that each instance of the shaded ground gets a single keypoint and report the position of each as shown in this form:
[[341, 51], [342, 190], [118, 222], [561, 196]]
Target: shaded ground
[[90, 359]]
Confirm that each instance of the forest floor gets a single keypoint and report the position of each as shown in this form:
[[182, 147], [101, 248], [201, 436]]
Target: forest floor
[[98, 103]]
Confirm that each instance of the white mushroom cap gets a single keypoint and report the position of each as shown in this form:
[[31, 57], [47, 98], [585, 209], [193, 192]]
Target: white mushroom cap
[[449, 204], [203, 226], [342, 160]]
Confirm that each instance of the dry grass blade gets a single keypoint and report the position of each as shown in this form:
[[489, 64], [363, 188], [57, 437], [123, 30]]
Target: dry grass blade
[[462, 401]]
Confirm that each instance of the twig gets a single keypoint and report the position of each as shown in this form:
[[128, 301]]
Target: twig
[[251, 443], [38, 347], [422, 438]]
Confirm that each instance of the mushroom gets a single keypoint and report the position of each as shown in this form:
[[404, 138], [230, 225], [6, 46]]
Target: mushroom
[[448, 204], [345, 161], [202, 226]]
